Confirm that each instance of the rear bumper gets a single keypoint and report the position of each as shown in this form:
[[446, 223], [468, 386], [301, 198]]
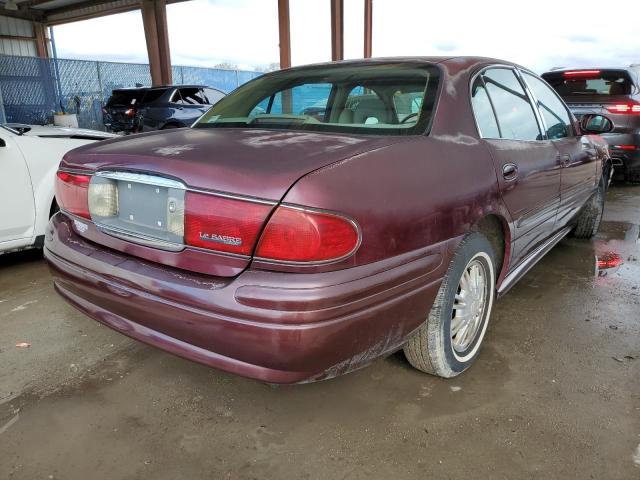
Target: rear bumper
[[625, 161], [275, 327]]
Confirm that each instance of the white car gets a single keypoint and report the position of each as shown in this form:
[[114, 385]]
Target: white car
[[29, 158]]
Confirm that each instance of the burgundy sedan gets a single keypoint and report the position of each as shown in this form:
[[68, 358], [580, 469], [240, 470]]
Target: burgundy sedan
[[321, 217]]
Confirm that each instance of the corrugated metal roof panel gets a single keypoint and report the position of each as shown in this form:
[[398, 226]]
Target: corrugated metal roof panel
[[15, 26], [99, 8], [22, 48]]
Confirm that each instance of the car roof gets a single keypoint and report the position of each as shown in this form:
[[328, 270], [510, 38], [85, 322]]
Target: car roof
[[159, 87], [453, 64]]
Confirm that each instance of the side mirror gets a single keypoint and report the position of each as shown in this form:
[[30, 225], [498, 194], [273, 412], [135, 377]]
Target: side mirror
[[594, 123], [2, 143]]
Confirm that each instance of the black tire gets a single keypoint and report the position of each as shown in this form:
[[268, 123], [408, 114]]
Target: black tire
[[588, 221], [431, 348]]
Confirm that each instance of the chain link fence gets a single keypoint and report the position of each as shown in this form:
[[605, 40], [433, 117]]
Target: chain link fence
[[32, 89]]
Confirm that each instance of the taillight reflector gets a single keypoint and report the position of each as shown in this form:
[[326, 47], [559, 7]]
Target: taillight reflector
[[72, 193], [624, 147], [624, 108], [299, 235], [223, 224]]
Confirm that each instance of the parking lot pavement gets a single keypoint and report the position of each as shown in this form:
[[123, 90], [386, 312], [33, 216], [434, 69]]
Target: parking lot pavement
[[555, 393]]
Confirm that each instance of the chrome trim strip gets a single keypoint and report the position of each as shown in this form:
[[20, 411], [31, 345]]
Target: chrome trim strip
[[147, 179], [140, 239], [530, 260], [232, 196], [75, 171]]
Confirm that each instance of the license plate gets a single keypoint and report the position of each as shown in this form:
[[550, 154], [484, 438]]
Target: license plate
[[143, 205], [139, 207]]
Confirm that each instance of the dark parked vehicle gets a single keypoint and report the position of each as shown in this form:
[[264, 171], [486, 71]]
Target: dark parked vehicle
[[291, 248], [614, 92], [133, 110]]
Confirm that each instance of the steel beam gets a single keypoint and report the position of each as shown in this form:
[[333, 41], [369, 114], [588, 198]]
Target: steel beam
[[42, 47], [284, 32], [154, 20], [337, 29], [368, 28]]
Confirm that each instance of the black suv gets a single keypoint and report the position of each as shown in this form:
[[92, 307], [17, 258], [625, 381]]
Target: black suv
[[614, 92], [133, 110]]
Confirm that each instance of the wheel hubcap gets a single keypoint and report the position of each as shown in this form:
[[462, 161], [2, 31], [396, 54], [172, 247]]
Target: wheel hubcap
[[469, 305]]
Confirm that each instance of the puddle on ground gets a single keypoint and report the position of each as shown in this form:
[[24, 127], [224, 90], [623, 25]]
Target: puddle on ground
[[610, 261]]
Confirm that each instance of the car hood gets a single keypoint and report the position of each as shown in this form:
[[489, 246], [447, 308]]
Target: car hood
[[252, 162], [65, 132]]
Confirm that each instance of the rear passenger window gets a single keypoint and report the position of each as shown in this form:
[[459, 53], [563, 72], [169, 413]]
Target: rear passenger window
[[485, 118], [515, 114], [554, 113]]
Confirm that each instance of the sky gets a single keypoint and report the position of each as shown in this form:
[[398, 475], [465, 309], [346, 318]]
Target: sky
[[539, 35]]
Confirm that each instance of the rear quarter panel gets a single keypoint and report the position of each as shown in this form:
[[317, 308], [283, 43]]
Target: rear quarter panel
[[419, 192]]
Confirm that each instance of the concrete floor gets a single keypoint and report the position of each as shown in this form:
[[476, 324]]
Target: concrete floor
[[555, 393]]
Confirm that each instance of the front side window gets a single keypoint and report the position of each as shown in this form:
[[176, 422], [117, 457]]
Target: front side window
[[515, 113], [483, 111], [391, 99], [554, 113]]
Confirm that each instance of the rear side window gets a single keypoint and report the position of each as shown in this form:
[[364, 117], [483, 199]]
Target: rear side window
[[153, 94], [189, 96], [589, 82], [554, 113], [212, 95], [516, 117], [483, 111], [124, 98]]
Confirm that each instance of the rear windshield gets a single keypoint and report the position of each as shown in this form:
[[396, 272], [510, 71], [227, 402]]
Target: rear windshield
[[589, 82], [125, 98], [391, 99]]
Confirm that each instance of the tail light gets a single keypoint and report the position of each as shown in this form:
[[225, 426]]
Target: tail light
[[624, 147], [300, 235], [130, 112], [223, 224], [582, 74], [291, 234], [625, 108], [72, 193]]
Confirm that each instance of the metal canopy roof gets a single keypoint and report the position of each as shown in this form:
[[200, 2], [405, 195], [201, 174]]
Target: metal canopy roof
[[55, 12]]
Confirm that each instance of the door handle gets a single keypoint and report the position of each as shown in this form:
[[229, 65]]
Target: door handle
[[510, 171], [565, 160]]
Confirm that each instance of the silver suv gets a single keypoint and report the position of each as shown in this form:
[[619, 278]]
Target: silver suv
[[614, 92]]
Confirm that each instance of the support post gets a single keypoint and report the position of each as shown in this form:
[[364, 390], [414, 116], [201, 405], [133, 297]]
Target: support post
[[368, 28], [284, 33], [337, 29], [42, 47], [154, 20]]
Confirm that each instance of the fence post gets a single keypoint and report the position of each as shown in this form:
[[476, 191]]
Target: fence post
[[100, 87], [3, 117]]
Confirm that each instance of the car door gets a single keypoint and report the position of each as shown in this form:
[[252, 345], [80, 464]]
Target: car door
[[578, 156], [17, 210], [526, 162]]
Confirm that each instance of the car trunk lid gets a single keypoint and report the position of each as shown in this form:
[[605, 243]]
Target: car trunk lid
[[143, 187]]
